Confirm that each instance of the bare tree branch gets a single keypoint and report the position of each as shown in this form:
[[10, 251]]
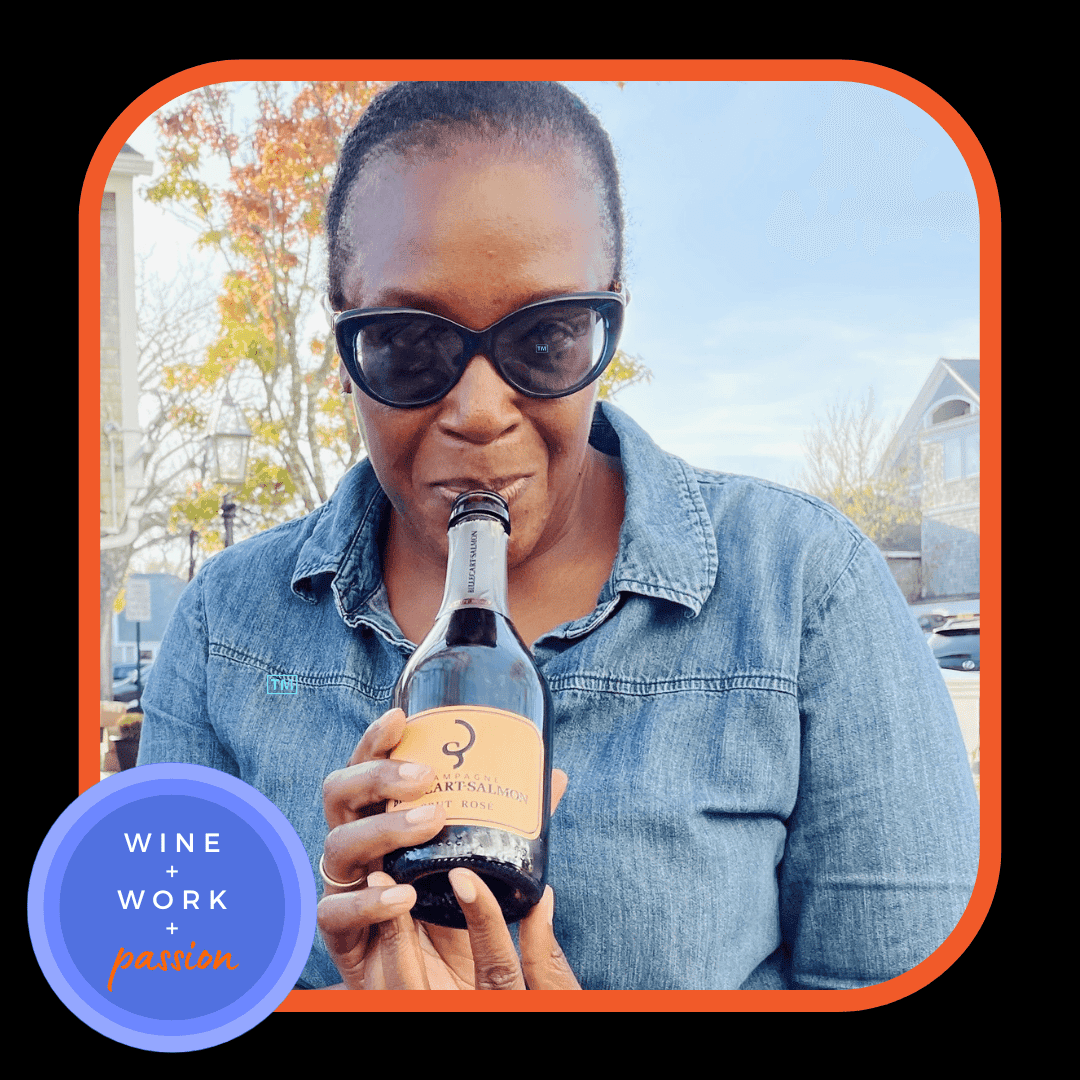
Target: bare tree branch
[[842, 451]]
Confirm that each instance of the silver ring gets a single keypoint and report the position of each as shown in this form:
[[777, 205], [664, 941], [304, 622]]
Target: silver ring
[[339, 884]]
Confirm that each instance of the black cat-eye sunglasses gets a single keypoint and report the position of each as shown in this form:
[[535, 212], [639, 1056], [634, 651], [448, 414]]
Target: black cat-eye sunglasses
[[549, 349]]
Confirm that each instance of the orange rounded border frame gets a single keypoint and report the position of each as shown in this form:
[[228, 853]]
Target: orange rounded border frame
[[919, 94]]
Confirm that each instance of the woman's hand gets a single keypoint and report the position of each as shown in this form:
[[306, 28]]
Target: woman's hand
[[368, 929]]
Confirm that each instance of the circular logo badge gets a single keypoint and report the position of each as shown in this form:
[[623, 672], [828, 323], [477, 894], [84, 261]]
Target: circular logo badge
[[172, 907]]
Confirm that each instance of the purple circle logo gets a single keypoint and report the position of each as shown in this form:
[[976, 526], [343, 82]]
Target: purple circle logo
[[172, 907]]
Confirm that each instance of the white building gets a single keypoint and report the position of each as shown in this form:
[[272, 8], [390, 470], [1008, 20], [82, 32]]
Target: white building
[[121, 438]]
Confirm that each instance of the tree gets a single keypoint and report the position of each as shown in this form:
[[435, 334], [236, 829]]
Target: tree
[[623, 371], [842, 455], [265, 219], [173, 321]]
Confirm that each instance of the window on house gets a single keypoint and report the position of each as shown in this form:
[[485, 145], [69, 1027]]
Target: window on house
[[950, 410], [960, 456], [971, 453]]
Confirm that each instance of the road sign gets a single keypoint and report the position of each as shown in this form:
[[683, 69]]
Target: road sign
[[137, 600]]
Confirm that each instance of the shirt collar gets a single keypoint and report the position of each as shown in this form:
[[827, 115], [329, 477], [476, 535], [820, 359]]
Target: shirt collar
[[343, 546], [667, 547]]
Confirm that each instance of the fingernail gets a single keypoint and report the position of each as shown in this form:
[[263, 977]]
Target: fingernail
[[379, 879], [412, 771], [419, 814], [548, 900], [386, 718], [397, 895], [464, 888]]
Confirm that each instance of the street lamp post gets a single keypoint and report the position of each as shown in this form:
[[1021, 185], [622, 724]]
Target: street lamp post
[[228, 437]]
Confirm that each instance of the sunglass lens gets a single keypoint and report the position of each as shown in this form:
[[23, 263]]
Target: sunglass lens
[[549, 349], [408, 359]]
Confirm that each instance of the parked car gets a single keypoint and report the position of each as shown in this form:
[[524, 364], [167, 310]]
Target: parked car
[[124, 688], [932, 620], [955, 644]]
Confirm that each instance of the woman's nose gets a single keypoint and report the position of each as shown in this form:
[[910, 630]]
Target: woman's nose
[[482, 406]]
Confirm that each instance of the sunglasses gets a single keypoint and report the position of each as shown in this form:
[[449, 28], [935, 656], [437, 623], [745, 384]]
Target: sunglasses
[[407, 359]]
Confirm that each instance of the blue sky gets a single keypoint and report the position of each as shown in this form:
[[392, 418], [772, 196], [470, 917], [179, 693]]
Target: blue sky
[[788, 244], [757, 297]]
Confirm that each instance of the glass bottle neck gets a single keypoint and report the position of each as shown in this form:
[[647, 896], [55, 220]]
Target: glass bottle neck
[[476, 566]]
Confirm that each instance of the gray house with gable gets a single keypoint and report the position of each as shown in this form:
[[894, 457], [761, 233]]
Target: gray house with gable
[[938, 441]]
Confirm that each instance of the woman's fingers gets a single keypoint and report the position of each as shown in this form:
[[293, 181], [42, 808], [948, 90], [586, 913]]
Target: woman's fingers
[[495, 961], [542, 961], [353, 792], [380, 737], [344, 919], [356, 790], [396, 962], [353, 846], [393, 961], [340, 913]]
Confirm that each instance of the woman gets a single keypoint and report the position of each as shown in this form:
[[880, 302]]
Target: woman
[[767, 785]]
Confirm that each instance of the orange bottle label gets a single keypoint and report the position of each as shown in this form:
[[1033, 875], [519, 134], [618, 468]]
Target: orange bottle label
[[489, 766]]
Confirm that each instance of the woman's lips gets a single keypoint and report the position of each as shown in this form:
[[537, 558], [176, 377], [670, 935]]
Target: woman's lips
[[508, 487]]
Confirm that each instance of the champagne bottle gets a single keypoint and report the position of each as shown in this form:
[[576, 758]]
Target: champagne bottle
[[479, 713]]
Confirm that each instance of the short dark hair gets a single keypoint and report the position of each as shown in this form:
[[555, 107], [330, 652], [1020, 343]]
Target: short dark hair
[[425, 115]]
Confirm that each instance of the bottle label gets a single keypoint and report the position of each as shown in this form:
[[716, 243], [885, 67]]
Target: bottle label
[[489, 766]]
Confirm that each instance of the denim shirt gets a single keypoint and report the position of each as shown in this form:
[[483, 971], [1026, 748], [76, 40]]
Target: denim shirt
[[768, 786]]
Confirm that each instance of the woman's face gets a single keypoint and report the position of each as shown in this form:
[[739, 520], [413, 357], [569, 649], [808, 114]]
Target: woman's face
[[473, 237]]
